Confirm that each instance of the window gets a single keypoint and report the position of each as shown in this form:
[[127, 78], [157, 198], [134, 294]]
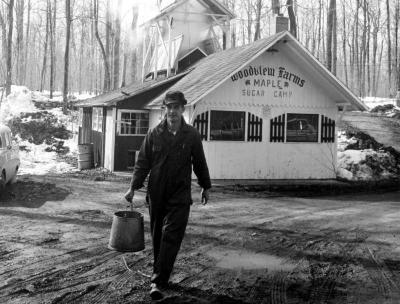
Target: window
[[80, 117], [133, 122], [254, 128], [227, 125], [201, 124], [302, 128], [97, 119]]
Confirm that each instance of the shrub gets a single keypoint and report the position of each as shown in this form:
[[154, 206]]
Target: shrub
[[39, 127]]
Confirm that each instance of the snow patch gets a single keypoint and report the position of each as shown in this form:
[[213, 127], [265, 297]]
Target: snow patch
[[18, 101]]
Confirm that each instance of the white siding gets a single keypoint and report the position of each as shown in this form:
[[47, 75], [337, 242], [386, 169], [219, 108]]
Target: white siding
[[110, 139], [271, 160]]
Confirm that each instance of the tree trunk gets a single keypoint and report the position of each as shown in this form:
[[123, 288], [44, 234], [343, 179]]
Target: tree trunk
[[319, 29], [108, 43], [19, 13], [257, 32], [367, 57], [53, 48], [329, 33], [292, 18], [356, 50], [96, 31], [66, 53], [389, 47], [123, 83], [135, 15], [4, 44], [27, 35], [396, 35], [9, 46], [379, 69], [344, 39], [334, 42], [374, 52], [117, 46], [81, 53], [363, 50], [46, 42]]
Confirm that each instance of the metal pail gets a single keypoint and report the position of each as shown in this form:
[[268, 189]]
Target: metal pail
[[127, 232]]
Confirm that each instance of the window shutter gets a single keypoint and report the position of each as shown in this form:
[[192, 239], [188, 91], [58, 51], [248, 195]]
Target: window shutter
[[327, 130], [254, 128], [277, 129], [201, 124]]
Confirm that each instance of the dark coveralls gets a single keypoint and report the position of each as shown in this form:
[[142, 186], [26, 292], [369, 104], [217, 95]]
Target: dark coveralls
[[169, 159]]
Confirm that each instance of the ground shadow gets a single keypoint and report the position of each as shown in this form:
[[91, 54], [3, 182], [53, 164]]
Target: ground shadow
[[31, 194], [194, 295]]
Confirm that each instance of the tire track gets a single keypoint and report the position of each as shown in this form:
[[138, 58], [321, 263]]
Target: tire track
[[324, 283], [53, 278], [383, 278]]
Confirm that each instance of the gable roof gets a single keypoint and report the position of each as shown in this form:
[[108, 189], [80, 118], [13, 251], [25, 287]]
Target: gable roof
[[111, 98], [210, 72]]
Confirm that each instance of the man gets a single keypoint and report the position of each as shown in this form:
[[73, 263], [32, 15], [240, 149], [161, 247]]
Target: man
[[168, 153]]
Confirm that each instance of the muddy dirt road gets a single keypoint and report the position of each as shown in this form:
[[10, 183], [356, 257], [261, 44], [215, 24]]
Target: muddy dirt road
[[238, 249]]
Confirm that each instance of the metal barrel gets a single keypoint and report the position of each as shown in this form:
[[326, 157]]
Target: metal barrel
[[85, 156], [127, 232]]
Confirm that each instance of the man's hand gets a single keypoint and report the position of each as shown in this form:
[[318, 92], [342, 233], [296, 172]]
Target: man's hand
[[129, 195], [204, 196]]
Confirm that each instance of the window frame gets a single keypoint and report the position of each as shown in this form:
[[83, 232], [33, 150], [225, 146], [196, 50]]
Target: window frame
[[97, 119], [244, 139], [119, 120], [317, 135]]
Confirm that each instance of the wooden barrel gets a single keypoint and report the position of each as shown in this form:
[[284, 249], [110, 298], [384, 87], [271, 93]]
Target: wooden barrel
[[85, 156]]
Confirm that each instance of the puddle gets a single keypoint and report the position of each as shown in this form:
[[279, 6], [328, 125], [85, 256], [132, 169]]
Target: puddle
[[234, 259]]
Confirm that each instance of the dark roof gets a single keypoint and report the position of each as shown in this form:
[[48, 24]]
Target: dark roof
[[215, 68], [211, 71], [112, 98]]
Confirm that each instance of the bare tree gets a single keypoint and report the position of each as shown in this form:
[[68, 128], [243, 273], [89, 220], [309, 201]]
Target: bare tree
[[19, 13], [344, 39], [292, 17], [117, 46], [257, 32], [45, 46], [397, 53], [96, 31], [329, 34], [27, 36], [135, 15], [389, 45], [108, 42], [4, 44], [10, 21], [52, 45], [68, 20]]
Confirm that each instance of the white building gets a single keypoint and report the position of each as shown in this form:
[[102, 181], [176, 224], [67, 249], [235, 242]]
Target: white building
[[267, 110]]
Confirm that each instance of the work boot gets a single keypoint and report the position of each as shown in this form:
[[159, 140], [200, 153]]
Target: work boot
[[155, 292]]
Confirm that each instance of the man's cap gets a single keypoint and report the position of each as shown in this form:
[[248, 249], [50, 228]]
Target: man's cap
[[174, 97]]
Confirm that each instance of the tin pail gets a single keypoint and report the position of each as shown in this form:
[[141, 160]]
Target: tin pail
[[127, 232]]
